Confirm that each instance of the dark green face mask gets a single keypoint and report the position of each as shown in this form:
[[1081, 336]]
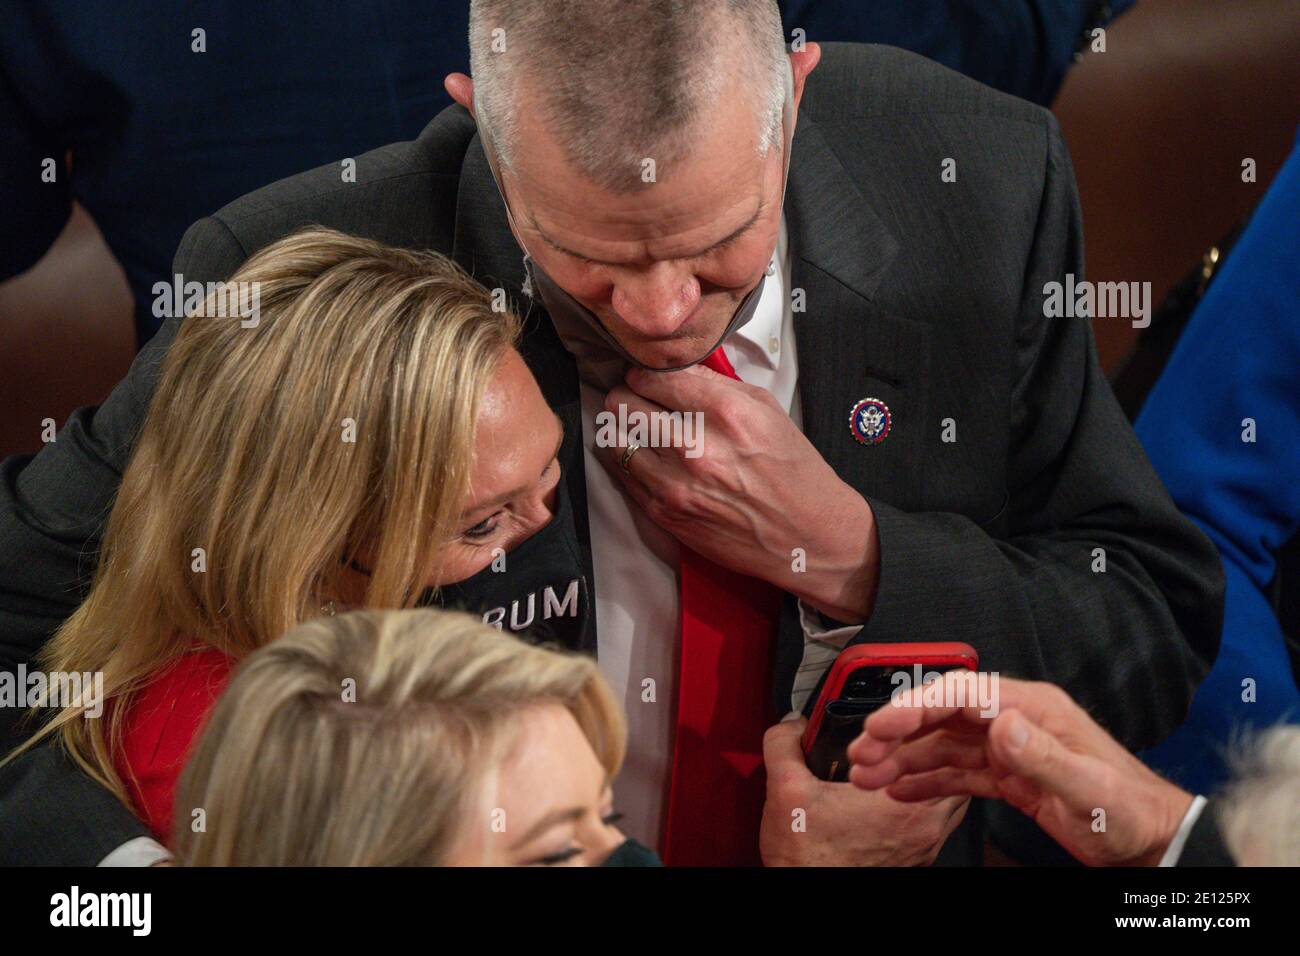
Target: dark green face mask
[[631, 853]]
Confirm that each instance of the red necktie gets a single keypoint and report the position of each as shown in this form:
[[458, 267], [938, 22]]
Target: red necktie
[[724, 705]]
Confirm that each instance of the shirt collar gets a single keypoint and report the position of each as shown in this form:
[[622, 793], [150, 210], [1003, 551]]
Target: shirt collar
[[765, 328]]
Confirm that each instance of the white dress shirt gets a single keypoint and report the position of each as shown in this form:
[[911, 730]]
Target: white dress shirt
[[142, 851], [1175, 849], [638, 616]]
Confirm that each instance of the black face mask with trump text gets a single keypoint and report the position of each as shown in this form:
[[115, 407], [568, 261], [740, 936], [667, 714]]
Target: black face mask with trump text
[[538, 591]]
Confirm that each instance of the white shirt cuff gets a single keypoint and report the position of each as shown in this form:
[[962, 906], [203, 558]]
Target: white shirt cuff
[[821, 645], [1184, 831], [142, 851]]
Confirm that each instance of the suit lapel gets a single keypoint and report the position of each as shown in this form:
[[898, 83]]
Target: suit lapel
[[850, 347]]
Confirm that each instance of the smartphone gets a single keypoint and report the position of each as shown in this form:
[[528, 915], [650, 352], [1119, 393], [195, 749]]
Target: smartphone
[[861, 680]]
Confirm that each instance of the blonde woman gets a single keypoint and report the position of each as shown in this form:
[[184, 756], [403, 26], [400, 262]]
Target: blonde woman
[[354, 444], [406, 738]]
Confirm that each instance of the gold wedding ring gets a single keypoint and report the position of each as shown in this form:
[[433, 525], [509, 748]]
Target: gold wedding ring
[[626, 458]]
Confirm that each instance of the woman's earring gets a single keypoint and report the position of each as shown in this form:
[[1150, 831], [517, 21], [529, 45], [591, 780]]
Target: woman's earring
[[328, 609]]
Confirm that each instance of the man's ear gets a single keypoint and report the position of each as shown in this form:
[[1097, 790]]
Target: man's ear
[[461, 89], [801, 64]]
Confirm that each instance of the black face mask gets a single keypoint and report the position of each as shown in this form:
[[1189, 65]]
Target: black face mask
[[540, 590], [602, 361], [631, 853]]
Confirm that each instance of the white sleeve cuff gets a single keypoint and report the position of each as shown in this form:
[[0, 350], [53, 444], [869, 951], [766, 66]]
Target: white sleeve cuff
[[1184, 831], [142, 851], [821, 645]]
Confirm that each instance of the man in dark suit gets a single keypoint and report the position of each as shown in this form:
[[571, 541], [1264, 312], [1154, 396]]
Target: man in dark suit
[[913, 452]]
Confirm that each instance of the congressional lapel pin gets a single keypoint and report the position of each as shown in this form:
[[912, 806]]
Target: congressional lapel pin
[[870, 421]]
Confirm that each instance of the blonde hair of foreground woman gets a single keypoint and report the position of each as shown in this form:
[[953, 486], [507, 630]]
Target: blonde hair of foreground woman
[[373, 739], [243, 453]]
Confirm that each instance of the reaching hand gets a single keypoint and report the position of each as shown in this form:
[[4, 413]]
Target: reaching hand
[[1041, 753]]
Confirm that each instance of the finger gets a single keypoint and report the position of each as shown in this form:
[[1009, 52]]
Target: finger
[[782, 749], [867, 750], [635, 489], [910, 714], [956, 813], [645, 466], [632, 402], [697, 388], [929, 752], [1031, 697], [1050, 707], [1028, 751], [1020, 793], [626, 408], [612, 461], [875, 776], [947, 782], [647, 501], [926, 705], [1041, 702], [896, 720], [782, 739], [942, 749]]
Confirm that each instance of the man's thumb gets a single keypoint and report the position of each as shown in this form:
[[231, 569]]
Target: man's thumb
[[1031, 752]]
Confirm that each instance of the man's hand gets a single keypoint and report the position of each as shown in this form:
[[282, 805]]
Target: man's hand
[[841, 825], [1041, 753], [757, 491]]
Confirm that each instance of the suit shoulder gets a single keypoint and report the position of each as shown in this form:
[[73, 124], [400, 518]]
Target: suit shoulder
[[402, 194], [869, 81]]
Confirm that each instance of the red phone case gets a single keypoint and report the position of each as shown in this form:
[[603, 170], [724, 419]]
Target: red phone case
[[944, 654]]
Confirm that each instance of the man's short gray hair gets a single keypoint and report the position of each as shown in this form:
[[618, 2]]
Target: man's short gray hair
[[620, 81], [1260, 817]]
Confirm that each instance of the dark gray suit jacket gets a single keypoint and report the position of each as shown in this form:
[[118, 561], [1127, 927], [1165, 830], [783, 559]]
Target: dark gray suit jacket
[[926, 294]]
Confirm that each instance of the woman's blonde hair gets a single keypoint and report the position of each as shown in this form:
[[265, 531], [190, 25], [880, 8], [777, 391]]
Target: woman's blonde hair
[[340, 417], [371, 739]]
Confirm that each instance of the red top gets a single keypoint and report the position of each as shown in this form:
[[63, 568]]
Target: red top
[[160, 728]]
